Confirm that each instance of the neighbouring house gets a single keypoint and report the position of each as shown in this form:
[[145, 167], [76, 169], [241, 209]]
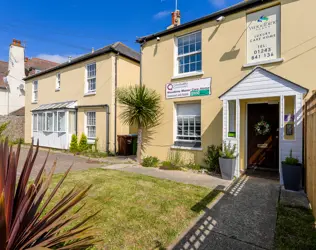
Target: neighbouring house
[[238, 75], [78, 96], [12, 85]]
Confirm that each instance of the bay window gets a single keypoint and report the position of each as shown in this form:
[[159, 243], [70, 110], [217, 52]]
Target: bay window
[[49, 122], [188, 125], [189, 53], [61, 120]]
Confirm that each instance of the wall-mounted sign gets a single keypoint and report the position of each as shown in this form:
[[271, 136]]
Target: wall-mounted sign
[[199, 87], [263, 35]]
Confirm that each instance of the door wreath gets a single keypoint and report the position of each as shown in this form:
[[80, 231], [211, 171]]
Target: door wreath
[[262, 127]]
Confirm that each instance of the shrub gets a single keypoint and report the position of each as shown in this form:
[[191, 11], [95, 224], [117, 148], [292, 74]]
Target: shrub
[[211, 158], [167, 165], [290, 160], [83, 143], [176, 158], [193, 166], [3, 127], [228, 151], [150, 162], [27, 217], [74, 144]]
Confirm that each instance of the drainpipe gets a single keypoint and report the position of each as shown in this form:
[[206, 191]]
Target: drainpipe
[[115, 102], [141, 64], [107, 122]]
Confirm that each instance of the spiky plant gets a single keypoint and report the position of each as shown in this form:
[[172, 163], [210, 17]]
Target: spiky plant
[[25, 220], [141, 107]]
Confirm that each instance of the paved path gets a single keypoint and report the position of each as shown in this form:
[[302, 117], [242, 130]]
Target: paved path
[[173, 175], [64, 161], [243, 218]]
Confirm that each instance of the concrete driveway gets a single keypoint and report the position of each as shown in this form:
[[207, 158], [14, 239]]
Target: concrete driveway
[[64, 161]]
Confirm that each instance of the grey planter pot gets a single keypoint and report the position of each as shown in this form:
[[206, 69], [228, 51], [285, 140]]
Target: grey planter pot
[[228, 167], [292, 176]]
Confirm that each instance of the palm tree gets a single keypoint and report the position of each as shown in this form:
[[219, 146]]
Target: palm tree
[[141, 107]]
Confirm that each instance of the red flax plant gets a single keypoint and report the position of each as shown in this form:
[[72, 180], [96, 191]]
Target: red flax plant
[[23, 222]]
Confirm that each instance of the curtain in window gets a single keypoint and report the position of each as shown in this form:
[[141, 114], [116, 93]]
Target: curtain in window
[[61, 122]]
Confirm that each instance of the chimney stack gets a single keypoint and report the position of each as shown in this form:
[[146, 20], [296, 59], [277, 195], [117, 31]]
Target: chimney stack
[[16, 42], [175, 19]]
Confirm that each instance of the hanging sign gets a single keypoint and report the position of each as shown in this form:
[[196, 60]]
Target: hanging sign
[[263, 35], [201, 87]]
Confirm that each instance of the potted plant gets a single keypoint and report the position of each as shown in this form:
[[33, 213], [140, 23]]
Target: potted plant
[[227, 161], [292, 173]]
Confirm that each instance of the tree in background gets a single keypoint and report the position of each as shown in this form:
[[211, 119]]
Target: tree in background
[[141, 107], [27, 217]]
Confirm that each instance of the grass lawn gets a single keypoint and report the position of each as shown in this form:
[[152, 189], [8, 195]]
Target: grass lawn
[[295, 229], [137, 211]]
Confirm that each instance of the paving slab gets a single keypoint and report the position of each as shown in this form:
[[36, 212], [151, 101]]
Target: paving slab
[[243, 218], [203, 180]]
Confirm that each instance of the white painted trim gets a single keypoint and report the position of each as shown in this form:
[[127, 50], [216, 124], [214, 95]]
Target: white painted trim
[[277, 60], [187, 148], [281, 134], [238, 135], [190, 74]]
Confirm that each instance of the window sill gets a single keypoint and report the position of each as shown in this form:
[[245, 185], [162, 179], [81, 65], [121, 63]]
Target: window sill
[[90, 93], [263, 63], [187, 148], [56, 90], [34, 102], [91, 140], [191, 74]]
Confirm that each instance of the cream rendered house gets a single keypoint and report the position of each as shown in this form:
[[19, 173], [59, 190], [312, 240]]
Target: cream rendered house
[[78, 97], [239, 75]]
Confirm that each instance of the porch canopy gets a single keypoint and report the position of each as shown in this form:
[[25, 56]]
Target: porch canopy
[[263, 86]]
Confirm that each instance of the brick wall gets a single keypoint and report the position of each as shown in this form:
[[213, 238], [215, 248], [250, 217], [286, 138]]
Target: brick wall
[[15, 129]]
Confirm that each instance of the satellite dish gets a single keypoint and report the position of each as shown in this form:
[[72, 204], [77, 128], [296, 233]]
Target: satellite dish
[[21, 87]]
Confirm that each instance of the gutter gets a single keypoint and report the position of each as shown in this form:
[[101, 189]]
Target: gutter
[[107, 121]]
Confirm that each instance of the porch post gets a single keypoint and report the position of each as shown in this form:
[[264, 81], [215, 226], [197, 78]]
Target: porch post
[[225, 118], [237, 173], [281, 135]]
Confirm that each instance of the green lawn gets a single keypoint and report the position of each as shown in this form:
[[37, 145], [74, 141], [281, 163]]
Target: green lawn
[[137, 211], [295, 229]]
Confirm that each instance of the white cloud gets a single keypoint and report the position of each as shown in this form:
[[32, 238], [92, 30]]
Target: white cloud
[[55, 58], [162, 14], [218, 3]]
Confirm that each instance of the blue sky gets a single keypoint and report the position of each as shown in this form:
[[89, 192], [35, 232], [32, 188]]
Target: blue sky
[[56, 29]]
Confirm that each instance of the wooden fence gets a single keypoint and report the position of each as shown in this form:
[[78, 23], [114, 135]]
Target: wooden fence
[[310, 149]]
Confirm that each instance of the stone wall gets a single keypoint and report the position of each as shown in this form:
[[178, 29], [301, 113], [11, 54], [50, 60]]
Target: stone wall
[[15, 129]]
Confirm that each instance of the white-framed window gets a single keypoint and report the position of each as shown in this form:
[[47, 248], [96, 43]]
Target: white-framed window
[[49, 121], [72, 122], [188, 124], [91, 76], [35, 91], [41, 122], [231, 118], [55, 121], [35, 122], [58, 81], [61, 121], [189, 53], [91, 124]]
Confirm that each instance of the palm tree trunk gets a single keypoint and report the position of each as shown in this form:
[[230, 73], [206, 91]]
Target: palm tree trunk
[[139, 144]]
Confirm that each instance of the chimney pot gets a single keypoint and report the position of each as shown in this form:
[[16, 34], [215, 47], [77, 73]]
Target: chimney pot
[[175, 19]]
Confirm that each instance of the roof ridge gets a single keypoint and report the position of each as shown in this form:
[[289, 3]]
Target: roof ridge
[[30, 59]]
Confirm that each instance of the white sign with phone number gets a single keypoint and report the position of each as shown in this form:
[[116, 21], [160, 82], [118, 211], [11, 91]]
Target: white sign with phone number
[[263, 35]]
